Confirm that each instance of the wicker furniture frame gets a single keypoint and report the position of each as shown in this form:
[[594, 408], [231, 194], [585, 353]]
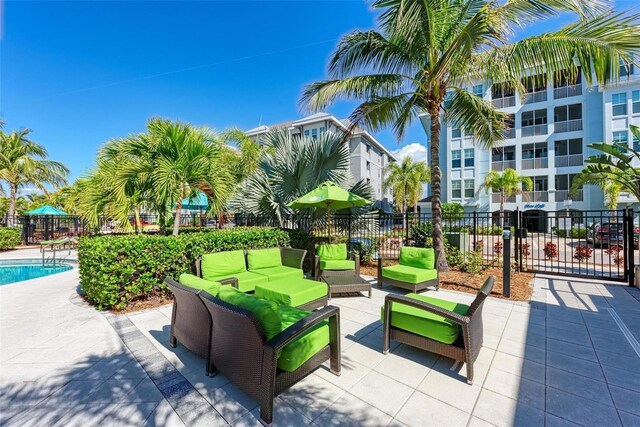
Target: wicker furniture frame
[[343, 283], [413, 287], [320, 274], [239, 350], [466, 349]]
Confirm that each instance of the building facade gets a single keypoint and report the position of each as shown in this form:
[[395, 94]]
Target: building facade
[[367, 156], [547, 137]]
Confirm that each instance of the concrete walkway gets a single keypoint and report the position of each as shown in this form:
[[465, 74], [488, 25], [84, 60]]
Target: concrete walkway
[[571, 357]]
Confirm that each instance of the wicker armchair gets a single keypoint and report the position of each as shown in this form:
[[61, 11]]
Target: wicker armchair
[[319, 273], [239, 350], [413, 287], [467, 346]]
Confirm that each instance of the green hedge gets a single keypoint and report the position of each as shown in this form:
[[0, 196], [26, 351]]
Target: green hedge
[[117, 270], [9, 238]]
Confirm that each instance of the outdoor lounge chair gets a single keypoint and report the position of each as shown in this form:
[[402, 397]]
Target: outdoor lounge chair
[[333, 260], [443, 327], [262, 358], [416, 270]]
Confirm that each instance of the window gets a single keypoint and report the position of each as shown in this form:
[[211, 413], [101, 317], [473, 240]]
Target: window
[[636, 143], [456, 133], [478, 90], [368, 166], [567, 112], [306, 132], [456, 161], [323, 129], [626, 68], [531, 118], [568, 147], [468, 157], [566, 78], [503, 154], [501, 91], [468, 188], [620, 137], [534, 151], [619, 104], [635, 101], [456, 189], [563, 182], [314, 133], [368, 148], [540, 183]]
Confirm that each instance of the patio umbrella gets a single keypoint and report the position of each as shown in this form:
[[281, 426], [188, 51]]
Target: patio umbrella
[[46, 210], [328, 196], [198, 202]]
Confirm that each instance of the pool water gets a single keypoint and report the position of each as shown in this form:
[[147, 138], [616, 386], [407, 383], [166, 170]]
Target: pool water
[[12, 271]]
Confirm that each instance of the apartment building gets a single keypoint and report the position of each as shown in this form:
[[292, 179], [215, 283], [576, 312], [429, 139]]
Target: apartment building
[[547, 137], [368, 157]]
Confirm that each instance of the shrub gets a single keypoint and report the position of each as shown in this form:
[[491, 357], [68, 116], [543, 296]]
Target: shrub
[[575, 232], [474, 263], [614, 252], [454, 256], [550, 250], [452, 211], [478, 246], [9, 238], [117, 270], [420, 234], [582, 253], [493, 230], [497, 249]]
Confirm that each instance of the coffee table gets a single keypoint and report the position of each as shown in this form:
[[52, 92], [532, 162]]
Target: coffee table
[[350, 283]]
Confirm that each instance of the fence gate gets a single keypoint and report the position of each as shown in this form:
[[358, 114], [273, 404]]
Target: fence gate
[[591, 244]]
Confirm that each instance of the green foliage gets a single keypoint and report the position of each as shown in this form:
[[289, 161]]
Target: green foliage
[[491, 230], [575, 232], [452, 211], [9, 238], [405, 180], [474, 263], [421, 233], [117, 270], [455, 258]]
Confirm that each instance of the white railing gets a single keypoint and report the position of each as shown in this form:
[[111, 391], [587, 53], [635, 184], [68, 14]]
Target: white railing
[[568, 126], [570, 160], [533, 97], [508, 101], [534, 130], [537, 163], [562, 195], [567, 91], [502, 165], [495, 198], [535, 196]]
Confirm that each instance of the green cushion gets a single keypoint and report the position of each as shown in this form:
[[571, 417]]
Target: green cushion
[[294, 354], [196, 282], [427, 324], [292, 293], [337, 264], [264, 258], [417, 257], [222, 264], [279, 273], [336, 251], [408, 274], [265, 312], [247, 280]]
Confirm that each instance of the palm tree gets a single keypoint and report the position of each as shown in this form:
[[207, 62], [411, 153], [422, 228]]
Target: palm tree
[[508, 184], [405, 181], [426, 52], [24, 163]]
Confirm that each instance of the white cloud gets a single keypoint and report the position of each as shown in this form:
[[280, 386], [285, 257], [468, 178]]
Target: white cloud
[[416, 151]]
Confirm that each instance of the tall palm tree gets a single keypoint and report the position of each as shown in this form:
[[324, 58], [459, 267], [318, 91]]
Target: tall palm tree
[[508, 183], [24, 163], [405, 181], [426, 52]]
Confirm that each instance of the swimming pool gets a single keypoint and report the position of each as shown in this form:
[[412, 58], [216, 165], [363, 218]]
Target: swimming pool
[[12, 271]]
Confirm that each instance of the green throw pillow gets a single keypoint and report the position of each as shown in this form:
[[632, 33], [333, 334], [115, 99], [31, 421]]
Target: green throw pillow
[[266, 312], [264, 258], [223, 264], [196, 282], [336, 251], [418, 257]]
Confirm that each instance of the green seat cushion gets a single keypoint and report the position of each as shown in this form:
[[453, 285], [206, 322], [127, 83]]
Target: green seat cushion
[[408, 274], [418, 257], [298, 351], [337, 264], [222, 264], [427, 324], [292, 293], [263, 258], [247, 280], [196, 282], [279, 273], [336, 251], [265, 312]]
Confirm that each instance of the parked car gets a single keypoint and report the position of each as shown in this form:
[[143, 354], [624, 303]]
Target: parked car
[[610, 233]]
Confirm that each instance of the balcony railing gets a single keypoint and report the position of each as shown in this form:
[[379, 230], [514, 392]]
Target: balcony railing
[[567, 91], [568, 126], [533, 97], [534, 130], [570, 160], [562, 195], [495, 198], [502, 165], [509, 101], [509, 133], [537, 163], [535, 196]]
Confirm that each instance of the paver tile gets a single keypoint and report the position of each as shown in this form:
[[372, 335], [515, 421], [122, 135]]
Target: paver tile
[[580, 410], [382, 392], [424, 410]]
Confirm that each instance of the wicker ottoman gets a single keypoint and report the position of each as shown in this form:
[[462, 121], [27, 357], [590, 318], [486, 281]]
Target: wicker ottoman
[[301, 293]]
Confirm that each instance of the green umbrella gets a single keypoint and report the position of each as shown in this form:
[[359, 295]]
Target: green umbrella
[[46, 210], [328, 196]]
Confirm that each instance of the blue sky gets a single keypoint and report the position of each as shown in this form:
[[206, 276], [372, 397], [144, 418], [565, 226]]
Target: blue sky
[[79, 73]]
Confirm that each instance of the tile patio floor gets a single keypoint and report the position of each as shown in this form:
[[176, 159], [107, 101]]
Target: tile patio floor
[[562, 360]]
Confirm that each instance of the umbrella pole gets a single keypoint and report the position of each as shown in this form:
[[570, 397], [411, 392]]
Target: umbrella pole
[[329, 222]]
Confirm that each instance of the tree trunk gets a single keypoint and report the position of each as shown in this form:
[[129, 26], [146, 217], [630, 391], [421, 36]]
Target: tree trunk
[[136, 216], [11, 212], [176, 218], [404, 211], [436, 190]]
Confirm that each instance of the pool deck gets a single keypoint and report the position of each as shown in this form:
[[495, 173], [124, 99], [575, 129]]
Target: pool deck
[[570, 357]]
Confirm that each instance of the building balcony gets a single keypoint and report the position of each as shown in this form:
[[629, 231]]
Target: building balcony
[[533, 97], [495, 198], [535, 196], [534, 130], [570, 160], [568, 126], [567, 91], [562, 195], [502, 165], [537, 163], [509, 133], [509, 101]]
